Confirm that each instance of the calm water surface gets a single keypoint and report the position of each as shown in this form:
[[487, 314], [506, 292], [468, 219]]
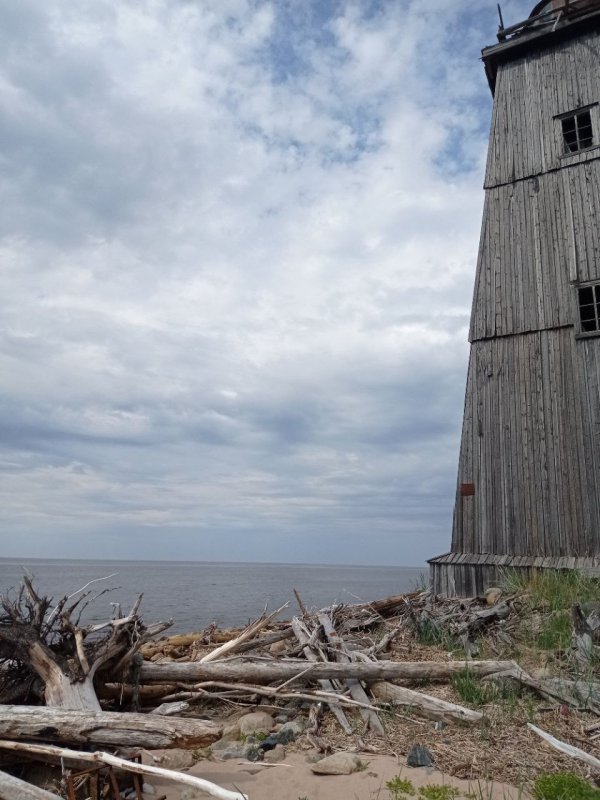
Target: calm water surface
[[197, 593]]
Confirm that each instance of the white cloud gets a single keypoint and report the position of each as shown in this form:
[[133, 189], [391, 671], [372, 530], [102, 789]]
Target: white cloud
[[236, 267]]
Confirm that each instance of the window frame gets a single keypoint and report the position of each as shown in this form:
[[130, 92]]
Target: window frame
[[595, 287], [574, 113]]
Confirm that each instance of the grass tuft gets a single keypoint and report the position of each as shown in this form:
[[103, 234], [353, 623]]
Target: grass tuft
[[564, 786], [399, 788], [436, 791], [554, 589]]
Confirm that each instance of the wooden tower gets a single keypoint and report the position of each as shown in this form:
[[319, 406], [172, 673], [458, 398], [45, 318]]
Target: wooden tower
[[528, 491]]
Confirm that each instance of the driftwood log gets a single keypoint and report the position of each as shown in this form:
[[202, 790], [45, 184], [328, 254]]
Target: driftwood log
[[74, 756], [431, 707], [50, 642], [273, 672], [310, 652], [568, 749], [12, 788], [354, 685], [103, 728]]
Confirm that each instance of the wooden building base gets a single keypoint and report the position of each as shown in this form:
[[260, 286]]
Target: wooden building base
[[470, 574]]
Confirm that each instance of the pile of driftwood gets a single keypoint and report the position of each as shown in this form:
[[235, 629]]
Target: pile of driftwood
[[59, 676]]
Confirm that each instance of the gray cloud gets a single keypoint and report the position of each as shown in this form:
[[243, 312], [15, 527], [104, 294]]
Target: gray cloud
[[237, 245]]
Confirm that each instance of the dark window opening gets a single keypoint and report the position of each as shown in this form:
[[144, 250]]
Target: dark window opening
[[589, 308], [577, 131]]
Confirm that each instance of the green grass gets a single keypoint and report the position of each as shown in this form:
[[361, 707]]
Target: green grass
[[435, 791], [399, 788], [564, 786], [471, 689], [556, 633], [552, 593], [427, 632], [553, 589]]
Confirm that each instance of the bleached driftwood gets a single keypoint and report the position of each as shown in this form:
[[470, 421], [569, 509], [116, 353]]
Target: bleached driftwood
[[103, 728], [12, 788], [248, 633], [568, 749], [576, 693], [281, 670], [356, 690], [265, 641], [67, 755], [304, 638], [171, 709], [334, 699], [48, 642], [431, 707]]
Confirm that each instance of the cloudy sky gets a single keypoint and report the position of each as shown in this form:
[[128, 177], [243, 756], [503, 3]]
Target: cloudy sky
[[238, 241]]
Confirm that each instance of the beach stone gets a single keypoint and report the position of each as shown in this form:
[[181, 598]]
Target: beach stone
[[256, 722], [290, 731], [220, 744], [274, 756], [253, 753], [337, 764], [492, 595], [238, 750], [201, 753], [278, 648], [176, 759], [231, 732], [270, 743], [419, 756]]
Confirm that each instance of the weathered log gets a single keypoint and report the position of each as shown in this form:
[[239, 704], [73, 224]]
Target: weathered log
[[585, 694], [271, 672], [121, 692], [334, 699], [74, 756], [303, 637], [12, 788], [568, 749], [265, 641], [431, 707], [355, 687], [49, 643], [171, 709], [37, 723], [248, 633]]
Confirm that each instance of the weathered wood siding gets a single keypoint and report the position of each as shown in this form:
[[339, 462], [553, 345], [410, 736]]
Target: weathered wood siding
[[539, 236], [530, 445], [468, 574], [525, 138]]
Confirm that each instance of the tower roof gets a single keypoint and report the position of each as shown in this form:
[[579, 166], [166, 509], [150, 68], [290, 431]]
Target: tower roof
[[550, 21]]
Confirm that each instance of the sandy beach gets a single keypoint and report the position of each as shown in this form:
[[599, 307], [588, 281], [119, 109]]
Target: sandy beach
[[293, 780]]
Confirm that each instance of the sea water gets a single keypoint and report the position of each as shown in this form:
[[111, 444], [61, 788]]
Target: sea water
[[195, 594]]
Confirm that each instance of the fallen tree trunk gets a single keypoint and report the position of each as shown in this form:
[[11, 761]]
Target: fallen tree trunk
[[105, 728], [124, 692], [429, 706], [39, 639], [74, 756], [12, 788], [272, 672]]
